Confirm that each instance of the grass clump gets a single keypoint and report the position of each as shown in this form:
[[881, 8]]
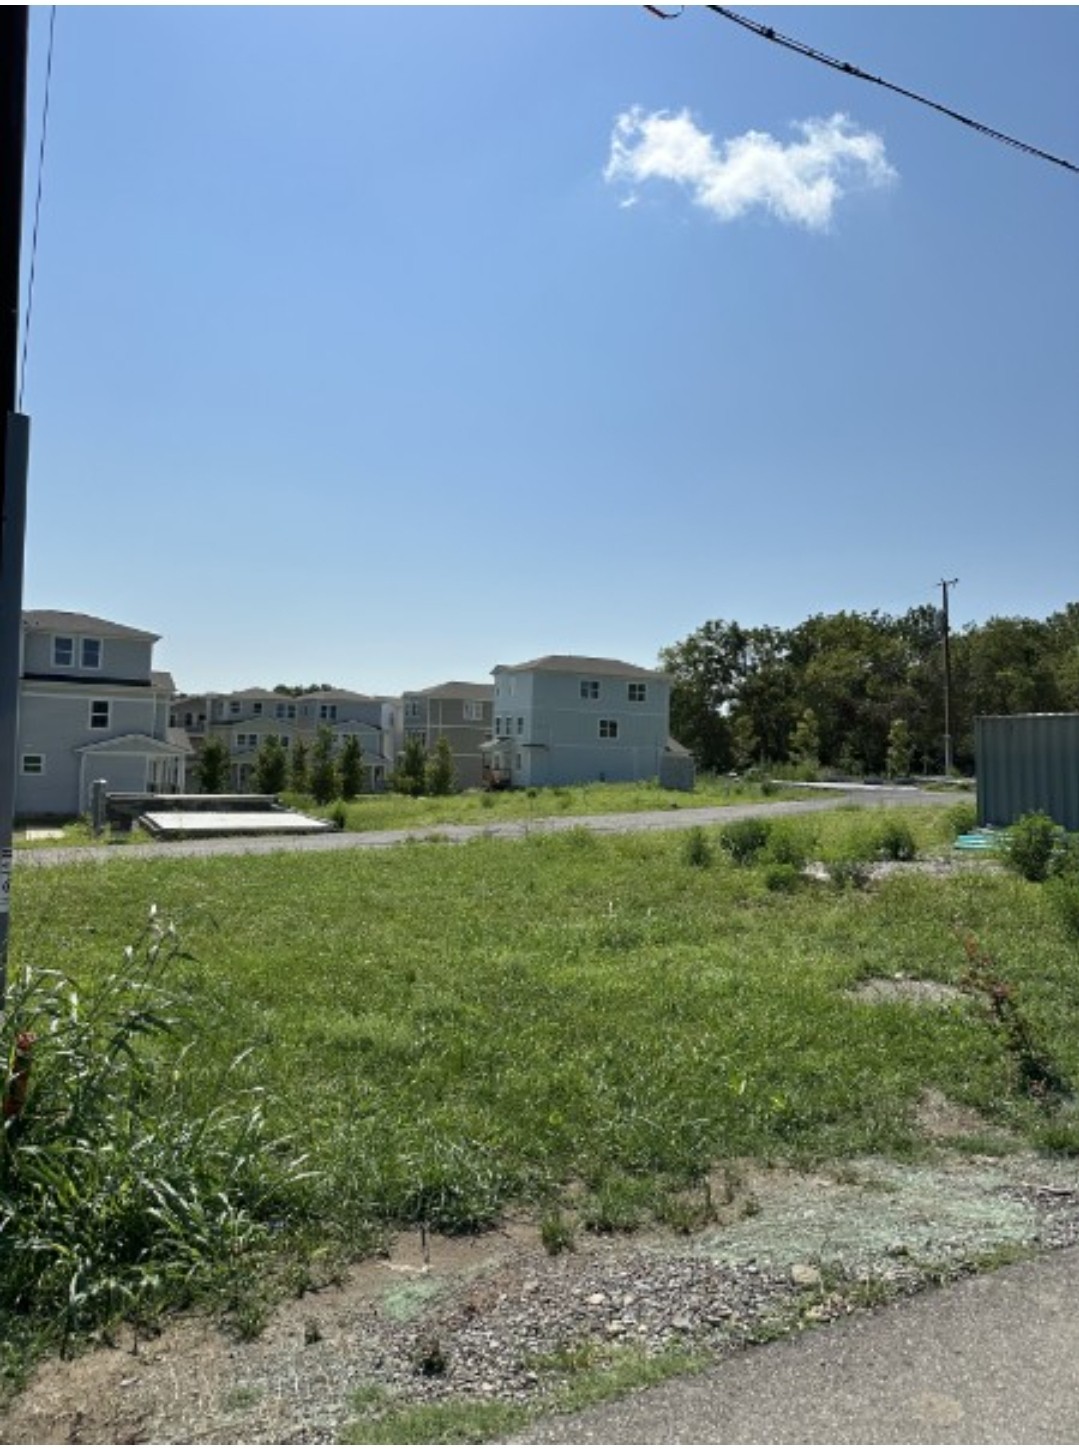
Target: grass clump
[[1029, 846], [697, 848], [745, 840], [118, 1194]]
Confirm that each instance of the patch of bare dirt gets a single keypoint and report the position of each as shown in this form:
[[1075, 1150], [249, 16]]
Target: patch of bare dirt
[[493, 1316]]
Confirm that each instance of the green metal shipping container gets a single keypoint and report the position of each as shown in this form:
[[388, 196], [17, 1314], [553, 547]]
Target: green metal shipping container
[[1027, 762]]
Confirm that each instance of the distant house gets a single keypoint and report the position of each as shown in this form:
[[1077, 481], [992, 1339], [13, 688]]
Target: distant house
[[246, 718], [91, 707], [567, 719], [460, 712]]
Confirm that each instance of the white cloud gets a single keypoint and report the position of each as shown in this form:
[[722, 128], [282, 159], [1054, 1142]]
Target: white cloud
[[798, 183]]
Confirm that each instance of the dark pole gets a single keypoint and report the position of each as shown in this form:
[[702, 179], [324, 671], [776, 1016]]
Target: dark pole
[[14, 40], [945, 585]]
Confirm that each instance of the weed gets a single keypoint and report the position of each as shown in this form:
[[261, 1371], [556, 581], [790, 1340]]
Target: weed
[[556, 1233], [849, 873], [745, 840], [1029, 845], [116, 1193], [1063, 894], [783, 879], [696, 848], [1037, 1074], [894, 840]]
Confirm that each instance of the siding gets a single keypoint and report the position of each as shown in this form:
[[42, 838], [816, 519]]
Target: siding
[[1027, 762]]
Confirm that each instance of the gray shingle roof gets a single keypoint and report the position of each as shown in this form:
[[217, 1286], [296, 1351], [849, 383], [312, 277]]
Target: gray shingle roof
[[582, 664], [55, 620], [455, 689]]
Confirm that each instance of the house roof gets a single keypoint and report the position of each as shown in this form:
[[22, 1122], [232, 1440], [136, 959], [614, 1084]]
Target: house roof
[[337, 694], [162, 679], [53, 620], [580, 664], [454, 689]]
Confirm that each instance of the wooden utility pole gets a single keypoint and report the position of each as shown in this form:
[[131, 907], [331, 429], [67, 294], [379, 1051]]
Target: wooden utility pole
[[14, 433], [945, 585]]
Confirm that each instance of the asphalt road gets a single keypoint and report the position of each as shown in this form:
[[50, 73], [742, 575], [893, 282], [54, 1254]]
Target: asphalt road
[[819, 798], [988, 1360]]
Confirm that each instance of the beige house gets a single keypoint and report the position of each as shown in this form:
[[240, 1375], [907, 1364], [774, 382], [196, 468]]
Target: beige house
[[458, 711]]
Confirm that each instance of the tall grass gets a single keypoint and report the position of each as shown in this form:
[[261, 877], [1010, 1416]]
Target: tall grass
[[132, 1174], [583, 1023]]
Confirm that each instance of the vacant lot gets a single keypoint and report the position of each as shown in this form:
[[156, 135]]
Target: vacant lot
[[585, 1027]]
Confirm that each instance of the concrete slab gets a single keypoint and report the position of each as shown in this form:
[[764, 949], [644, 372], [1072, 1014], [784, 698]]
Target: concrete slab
[[170, 824]]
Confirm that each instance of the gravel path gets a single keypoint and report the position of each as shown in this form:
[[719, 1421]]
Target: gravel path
[[681, 819]]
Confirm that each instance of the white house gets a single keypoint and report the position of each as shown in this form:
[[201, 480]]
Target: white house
[[91, 707], [566, 719]]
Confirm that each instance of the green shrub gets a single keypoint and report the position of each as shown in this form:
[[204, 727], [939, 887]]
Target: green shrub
[[789, 843], [960, 819], [696, 848], [783, 877], [1064, 897], [1029, 846], [745, 840], [894, 840], [848, 873]]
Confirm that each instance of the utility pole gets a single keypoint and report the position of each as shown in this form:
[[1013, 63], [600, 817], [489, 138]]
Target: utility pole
[[14, 434], [945, 585]]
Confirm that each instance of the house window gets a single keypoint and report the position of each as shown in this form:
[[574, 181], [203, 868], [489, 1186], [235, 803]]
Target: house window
[[283, 739], [285, 711], [90, 653], [33, 764], [520, 725], [412, 709], [234, 706], [608, 729], [63, 651], [590, 689], [247, 742], [518, 759], [256, 708], [99, 714], [637, 693], [498, 725], [327, 711], [473, 709]]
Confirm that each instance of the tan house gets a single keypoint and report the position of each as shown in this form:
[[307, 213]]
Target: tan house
[[458, 711]]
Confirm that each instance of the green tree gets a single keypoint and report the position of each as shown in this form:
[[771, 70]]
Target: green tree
[[441, 773], [900, 749], [323, 768], [298, 773], [410, 776], [213, 766], [744, 742], [350, 767], [805, 740], [271, 767]]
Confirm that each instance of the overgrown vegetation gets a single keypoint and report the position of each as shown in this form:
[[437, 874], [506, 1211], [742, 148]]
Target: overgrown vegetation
[[133, 1176], [574, 1022]]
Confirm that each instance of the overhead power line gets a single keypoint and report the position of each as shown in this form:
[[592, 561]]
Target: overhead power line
[[767, 32]]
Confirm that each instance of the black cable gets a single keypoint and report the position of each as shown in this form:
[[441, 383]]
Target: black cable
[[766, 32], [37, 210]]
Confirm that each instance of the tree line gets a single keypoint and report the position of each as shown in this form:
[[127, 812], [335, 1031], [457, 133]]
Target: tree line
[[863, 693], [325, 771]]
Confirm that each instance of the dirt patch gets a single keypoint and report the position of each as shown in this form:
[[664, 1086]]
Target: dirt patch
[[905, 988], [499, 1315]]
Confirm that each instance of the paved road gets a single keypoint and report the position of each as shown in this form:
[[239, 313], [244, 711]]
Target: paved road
[[820, 798], [990, 1360]]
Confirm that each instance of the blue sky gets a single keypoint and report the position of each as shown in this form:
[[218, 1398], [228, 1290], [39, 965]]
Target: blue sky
[[381, 346]]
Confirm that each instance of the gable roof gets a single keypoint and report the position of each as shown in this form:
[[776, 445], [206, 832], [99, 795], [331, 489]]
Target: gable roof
[[60, 620], [454, 689], [580, 664]]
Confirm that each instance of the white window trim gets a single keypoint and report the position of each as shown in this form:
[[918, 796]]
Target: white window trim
[[637, 692], [611, 731], [65, 639], [32, 755], [590, 689], [91, 639], [108, 714]]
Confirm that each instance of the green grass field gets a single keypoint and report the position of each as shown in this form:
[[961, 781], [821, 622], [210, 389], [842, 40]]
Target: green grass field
[[581, 1024]]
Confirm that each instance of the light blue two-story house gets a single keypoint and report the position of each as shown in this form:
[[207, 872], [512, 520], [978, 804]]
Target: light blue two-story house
[[91, 707], [568, 719]]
